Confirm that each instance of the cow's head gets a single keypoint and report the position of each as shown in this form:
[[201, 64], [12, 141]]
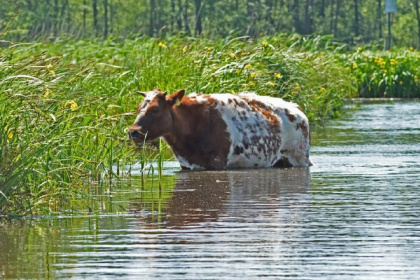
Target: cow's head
[[154, 117]]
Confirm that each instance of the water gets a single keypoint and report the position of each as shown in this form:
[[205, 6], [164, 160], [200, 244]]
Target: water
[[354, 215]]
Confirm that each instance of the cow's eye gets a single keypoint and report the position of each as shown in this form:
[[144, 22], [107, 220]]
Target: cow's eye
[[155, 110]]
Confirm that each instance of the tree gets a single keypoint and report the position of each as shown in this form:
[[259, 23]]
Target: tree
[[95, 16], [105, 19], [344, 20], [416, 4], [308, 17], [356, 18], [198, 7], [379, 18], [185, 16]]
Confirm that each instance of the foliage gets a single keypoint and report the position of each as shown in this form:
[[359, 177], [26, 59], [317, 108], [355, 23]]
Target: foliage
[[352, 22], [385, 74], [66, 105]]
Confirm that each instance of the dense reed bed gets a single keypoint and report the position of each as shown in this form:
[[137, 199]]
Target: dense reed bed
[[66, 106]]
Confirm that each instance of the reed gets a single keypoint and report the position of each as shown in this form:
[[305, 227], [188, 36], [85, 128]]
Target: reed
[[66, 106]]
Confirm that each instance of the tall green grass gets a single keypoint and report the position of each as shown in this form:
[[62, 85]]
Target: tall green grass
[[66, 106], [385, 74]]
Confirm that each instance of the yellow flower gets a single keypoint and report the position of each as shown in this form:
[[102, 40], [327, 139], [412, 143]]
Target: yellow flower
[[411, 49], [264, 44], [251, 83], [162, 45], [184, 49], [232, 91], [271, 84], [48, 92], [323, 90], [354, 65], [359, 49], [49, 69], [232, 55], [248, 66], [238, 71], [253, 75], [207, 48], [401, 82], [72, 104], [392, 69], [10, 135], [277, 75], [416, 78]]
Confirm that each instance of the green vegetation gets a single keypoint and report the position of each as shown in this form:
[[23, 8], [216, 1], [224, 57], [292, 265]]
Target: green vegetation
[[66, 105], [385, 74], [353, 22]]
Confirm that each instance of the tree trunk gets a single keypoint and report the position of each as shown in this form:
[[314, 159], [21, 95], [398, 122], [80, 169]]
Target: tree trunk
[[296, 20], [356, 18], [111, 17], [152, 18], [178, 17], [308, 17], [173, 16], [186, 24], [379, 18], [322, 9], [198, 8], [56, 20], [105, 19], [416, 3], [337, 15], [65, 16], [95, 16], [332, 17], [84, 14]]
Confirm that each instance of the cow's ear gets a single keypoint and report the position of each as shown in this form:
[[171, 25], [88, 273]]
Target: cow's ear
[[176, 96]]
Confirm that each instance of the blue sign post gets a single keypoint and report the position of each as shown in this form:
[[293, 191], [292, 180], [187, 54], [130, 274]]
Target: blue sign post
[[390, 7]]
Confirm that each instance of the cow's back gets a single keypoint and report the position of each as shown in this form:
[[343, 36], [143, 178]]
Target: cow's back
[[264, 131]]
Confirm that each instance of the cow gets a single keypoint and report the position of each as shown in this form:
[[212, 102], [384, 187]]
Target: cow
[[224, 131]]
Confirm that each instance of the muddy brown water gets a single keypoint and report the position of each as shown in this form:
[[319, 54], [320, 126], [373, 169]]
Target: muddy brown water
[[354, 215]]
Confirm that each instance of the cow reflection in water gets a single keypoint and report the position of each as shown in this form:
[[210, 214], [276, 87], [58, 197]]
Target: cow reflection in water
[[215, 195]]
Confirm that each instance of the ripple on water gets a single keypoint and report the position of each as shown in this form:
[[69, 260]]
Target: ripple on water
[[354, 215]]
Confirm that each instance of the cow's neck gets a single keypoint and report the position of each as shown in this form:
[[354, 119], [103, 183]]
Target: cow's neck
[[196, 139], [181, 133]]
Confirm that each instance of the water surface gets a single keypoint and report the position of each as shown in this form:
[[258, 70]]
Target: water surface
[[354, 215]]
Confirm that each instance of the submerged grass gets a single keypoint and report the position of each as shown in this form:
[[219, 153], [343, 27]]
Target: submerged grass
[[66, 106]]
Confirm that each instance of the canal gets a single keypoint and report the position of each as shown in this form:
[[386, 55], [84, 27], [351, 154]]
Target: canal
[[355, 214]]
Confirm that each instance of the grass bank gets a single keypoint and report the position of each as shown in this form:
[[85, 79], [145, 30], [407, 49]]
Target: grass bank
[[66, 105]]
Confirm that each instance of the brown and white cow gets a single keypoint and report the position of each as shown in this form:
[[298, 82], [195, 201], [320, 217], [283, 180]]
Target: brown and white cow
[[225, 131]]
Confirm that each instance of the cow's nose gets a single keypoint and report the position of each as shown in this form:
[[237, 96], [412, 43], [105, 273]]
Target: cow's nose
[[133, 133]]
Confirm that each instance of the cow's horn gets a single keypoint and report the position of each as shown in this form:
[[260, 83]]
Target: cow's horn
[[164, 93], [142, 93]]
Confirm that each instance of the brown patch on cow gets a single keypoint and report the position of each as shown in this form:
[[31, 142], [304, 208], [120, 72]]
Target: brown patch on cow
[[199, 134], [265, 110], [304, 128], [290, 116]]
